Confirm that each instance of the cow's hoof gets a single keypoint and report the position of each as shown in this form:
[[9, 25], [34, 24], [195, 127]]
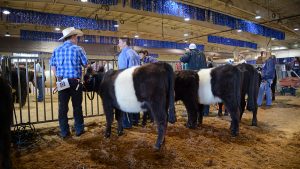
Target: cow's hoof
[[254, 124], [234, 134], [120, 133], [107, 135], [191, 126]]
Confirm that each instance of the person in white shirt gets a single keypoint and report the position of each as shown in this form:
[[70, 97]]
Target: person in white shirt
[[39, 79]]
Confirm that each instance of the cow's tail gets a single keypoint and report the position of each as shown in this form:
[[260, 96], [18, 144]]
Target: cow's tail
[[237, 89], [252, 91], [171, 98]]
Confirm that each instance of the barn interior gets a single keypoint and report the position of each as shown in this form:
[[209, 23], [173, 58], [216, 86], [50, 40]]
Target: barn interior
[[227, 31]]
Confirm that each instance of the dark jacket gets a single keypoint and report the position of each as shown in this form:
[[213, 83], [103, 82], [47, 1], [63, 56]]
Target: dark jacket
[[195, 59], [268, 69]]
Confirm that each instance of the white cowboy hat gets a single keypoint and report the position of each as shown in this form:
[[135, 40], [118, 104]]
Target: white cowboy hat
[[192, 46], [70, 31]]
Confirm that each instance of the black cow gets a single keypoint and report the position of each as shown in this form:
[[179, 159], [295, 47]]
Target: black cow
[[249, 87], [222, 84], [23, 84], [186, 90], [6, 113], [146, 88]]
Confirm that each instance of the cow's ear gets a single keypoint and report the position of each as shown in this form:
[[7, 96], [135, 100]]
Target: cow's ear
[[89, 70]]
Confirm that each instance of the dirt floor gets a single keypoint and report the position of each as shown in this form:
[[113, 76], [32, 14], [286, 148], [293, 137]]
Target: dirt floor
[[275, 143]]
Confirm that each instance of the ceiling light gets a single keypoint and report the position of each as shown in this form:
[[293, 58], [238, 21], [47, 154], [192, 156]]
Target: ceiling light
[[185, 41], [272, 38], [86, 40], [239, 30], [116, 26], [7, 34], [136, 36], [84, 0], [186, 19], [6, 12], [57, 29], [186, 34], [296, 29], [258, 17]]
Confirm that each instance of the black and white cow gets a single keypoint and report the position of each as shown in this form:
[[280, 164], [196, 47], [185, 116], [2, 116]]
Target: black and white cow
[[143, 88], [186, 90], [249, 87], [6, 113], [222, 84]]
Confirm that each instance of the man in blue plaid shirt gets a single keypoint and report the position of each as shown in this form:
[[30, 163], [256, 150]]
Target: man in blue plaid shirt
[[66, 62]]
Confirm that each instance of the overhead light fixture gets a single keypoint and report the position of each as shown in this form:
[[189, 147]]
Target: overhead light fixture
[[186, 19], [84, 0], [239, 30], [86, 40], [57, 29], [186, 34], [257, 17], [7, 34], [116, 26], [136, 36], [272, 38], [185, 41], [296, 29], [6, 12]]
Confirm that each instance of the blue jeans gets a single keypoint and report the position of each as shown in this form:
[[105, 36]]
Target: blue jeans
[[265, 87], [63, 98], [130, 119], [40, 88], [205, 110]]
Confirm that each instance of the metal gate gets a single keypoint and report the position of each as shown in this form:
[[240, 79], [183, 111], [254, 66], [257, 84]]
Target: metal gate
[[20, 71]]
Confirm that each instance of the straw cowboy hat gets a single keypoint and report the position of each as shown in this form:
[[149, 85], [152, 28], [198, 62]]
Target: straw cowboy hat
[[70, 31], [192, 46]]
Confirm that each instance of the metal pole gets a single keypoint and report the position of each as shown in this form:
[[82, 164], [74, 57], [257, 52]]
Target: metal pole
[[19, 89], [27, 82]]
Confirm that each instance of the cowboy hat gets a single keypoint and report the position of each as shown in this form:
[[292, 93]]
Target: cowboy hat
[[70, 31], [192, 46]]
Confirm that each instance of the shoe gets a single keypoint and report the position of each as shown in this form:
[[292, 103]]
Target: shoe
[[65, 136], [79, 134]]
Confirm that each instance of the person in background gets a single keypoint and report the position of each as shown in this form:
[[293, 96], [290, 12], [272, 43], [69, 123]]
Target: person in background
[[195, 60], [145, 58], [296, 67], [39, 70], [66, 62], [107, 66], [126, 59], [267, 74]]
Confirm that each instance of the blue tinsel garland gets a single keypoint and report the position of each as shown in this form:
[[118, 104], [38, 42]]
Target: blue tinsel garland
[[169, 7], [51, 36], [57, 20], [231, 42]]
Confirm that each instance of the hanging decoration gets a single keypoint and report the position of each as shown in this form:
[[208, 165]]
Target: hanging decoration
[[57, 20], [104, 2], [170, 7], [109, 40], [231, 42]]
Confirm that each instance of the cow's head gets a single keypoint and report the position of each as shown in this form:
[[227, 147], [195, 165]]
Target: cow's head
[[89, 80]]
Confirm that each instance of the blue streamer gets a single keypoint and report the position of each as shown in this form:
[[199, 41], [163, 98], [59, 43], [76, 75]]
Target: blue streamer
[[169, 7], [57, 20], [231, 42], [109, 40]]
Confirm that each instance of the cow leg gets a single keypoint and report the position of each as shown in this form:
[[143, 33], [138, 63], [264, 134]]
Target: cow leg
[[160, 116], [220, 109], [200, 114], [235, 118], [108, 110], [5, 150], [119, 115], [254, 118], [192, 109]]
